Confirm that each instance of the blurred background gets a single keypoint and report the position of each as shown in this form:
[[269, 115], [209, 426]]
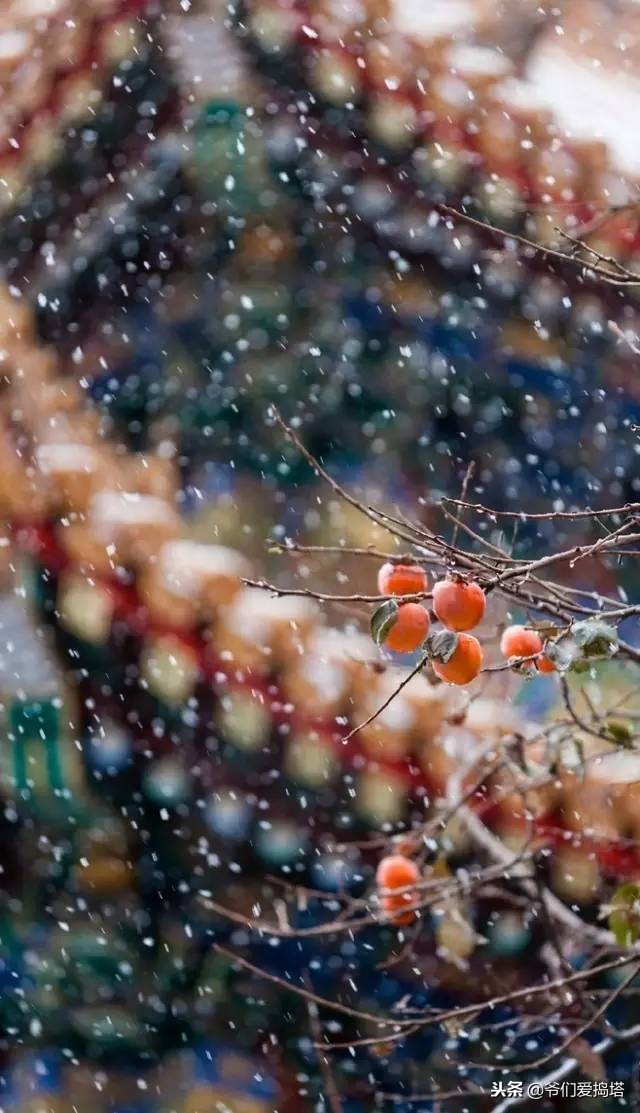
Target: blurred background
[[206, 209]]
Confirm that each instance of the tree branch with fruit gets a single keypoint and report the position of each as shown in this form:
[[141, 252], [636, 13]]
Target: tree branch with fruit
[[431, 603]]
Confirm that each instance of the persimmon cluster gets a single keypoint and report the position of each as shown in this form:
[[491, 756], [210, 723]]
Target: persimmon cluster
[[459, 605]]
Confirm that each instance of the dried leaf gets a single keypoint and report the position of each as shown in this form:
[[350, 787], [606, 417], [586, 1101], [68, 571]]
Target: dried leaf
[[453, 1027], [440, 867], [589, 1061], [624, 917]]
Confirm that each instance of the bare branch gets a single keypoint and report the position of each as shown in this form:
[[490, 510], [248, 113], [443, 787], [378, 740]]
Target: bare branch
[[383, 706]]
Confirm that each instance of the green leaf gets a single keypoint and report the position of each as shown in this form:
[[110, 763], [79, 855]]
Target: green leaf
[[441, 645], [382, 620], [620, 732], [561, 653], [579, 665], [624, 917], [595, 638]]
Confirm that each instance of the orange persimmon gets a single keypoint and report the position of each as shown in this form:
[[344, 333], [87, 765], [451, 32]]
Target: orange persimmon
[[401, 579], [397, 872], [409, 629], [518, 641], [464, 665], [458, 605], [545, 665]]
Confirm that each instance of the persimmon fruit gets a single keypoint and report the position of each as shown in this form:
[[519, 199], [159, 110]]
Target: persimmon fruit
[[465, 663], [459, 606], [517, 641], [409, 629], [396, 909], [397, 872], [545, 665], [401, 579]]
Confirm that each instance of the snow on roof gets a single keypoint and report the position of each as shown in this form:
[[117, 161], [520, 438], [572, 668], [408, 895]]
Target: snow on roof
[[589, 101], [428, 21], [123, 508], [66, 456], [480, 61], [184, 564]]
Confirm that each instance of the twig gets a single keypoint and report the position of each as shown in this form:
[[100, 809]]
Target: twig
[[308, 995], [526, 516], [623, 278], [373, 515], [327, 597], [463, 1011], [331, 1090], [567, 1068], [383, 706], [468, 475], [589, 1023], [617, 331]]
